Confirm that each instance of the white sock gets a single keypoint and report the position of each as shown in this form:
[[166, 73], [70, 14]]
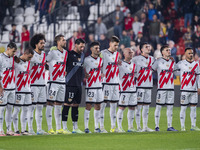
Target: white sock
[[138, 115], [38, 116], [119, 118], [58, 115], [49, 116], [193, 115], [96, 118], [64, 125], [130, 117], [113, 109], [24, 118], [102, 110], [30, 116], [182, 116], [2, 109], [8, 117], [169, 115], [15, 118], [86, 118], [145, 114], [157, 115], [75, 125]]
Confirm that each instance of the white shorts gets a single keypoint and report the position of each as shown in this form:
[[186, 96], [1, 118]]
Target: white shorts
[[128, 99], [144, 96], [23, 99], [165, 97], [38, 94], [8, 97], [56, 92], [111, 92], [93, 96], [189, 98]]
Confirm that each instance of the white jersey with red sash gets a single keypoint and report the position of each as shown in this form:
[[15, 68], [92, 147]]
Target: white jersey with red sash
[[165, 70], [37, 71], [189, 74], [110, 67], [127, 74], [57, 65], [144, 71], [93, 68], [23, 81], [7, 71]]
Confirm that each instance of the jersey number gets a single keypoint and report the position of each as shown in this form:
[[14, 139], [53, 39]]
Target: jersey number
[[91, 94], [71, 95], [106, 93]]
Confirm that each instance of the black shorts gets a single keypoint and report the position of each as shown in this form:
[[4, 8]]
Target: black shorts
[[73, 94]]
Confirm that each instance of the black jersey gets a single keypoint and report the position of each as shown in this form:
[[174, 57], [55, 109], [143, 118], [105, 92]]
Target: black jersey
[[75, 66]]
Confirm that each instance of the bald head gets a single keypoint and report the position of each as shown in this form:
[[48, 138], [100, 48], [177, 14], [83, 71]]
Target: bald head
[[128, 54]]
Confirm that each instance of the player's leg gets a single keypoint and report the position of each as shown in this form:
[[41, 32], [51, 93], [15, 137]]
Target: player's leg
[[8, 114], [26, 115], [103, 106], [145, 111], [123, 103], [58, 108], [160, 100], [87, 116], [2, 109], [75, 113], [15, 119], [132, 103], [97, 107], [52, 92], [184, 103], [39, 108], [170, 103], [193, 115], [140, 99], [69, 95], [113, 106]]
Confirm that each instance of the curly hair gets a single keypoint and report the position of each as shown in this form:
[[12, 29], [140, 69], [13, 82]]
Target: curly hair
[[36, 39]]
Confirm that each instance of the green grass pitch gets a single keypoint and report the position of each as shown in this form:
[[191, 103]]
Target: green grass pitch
[[189, 140]]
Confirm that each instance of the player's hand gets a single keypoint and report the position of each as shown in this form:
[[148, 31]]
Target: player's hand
[[1, 91], [53, 48], [198, 91], [172, 59], [87, 75], [119, 62]]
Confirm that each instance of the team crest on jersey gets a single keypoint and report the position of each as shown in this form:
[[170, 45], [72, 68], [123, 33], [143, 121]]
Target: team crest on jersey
[[167, 65], [40, 59], [96, 63], [131, 68], [69, 99], [113, 58], [62, 57], [190, 68], [25, 66], [147, 63]]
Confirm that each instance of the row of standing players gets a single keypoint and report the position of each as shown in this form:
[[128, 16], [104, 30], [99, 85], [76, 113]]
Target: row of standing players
[[108, 79]]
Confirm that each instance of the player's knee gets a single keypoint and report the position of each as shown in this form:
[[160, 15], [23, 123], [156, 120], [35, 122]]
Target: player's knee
[[50, 103], [88, 106], [97, 106]]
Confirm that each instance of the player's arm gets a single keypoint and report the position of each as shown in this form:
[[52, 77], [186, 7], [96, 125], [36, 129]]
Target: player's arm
[[101, 56], [49, 56], [84, 68], [154, 65], [177, 69], [198, 79], [1, 87]]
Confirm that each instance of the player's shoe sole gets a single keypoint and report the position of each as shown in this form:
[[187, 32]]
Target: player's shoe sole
[[171, 129], [113, 130], [195, 129], [157, 129], [97, 130], [17, 133], [42, 132], [131, 130], [60, 131], [87, 131], [103, 130], [66, 131], [10, 133]]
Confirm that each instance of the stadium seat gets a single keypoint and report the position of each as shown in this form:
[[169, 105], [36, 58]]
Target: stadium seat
[[7, 20], [93, 9], [19, 11], [29, 20], [5, 37], [19, 19], [29, 11], [8, 27], [19, 28]]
